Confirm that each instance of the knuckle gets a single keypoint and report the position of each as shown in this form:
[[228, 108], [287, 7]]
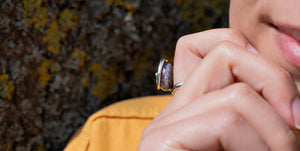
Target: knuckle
[[182, 42], [223, 45], [230, 118], [223, 48], [232, 34], [243, 87], [239, 90]]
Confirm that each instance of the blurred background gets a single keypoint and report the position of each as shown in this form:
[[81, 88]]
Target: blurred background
[[61, 61]]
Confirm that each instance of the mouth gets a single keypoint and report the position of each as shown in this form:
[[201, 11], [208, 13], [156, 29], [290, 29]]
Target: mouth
[[288, 40], [291, 32]]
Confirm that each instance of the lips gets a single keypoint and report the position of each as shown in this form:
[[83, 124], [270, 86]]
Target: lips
[[293, 33], [288, 41]]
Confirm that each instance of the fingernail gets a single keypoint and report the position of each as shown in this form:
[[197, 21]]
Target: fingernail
[[251, 48], [296, 112]]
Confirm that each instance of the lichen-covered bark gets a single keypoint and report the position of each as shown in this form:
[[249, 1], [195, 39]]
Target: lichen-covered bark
[[60, 61]]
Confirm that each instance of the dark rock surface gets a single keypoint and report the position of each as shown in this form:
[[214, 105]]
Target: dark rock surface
[[60, 61]]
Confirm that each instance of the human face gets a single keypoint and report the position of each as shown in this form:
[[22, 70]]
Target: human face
[[273, 28]]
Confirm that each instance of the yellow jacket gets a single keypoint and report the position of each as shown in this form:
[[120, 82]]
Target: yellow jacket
[[118, 127]]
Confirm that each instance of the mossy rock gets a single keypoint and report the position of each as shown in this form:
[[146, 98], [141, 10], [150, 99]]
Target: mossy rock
[[63, 60]]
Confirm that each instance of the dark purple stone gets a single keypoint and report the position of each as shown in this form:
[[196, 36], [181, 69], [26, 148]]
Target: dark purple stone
[[166, 81]]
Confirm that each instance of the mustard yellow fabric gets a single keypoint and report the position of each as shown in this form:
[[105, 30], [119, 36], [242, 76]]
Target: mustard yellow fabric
[[118, 127]]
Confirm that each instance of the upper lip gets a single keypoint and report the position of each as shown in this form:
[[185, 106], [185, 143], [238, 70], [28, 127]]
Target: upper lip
[[290, 31]]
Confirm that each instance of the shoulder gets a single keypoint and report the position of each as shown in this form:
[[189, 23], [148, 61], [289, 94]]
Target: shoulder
[[144, 107], [119, 125]]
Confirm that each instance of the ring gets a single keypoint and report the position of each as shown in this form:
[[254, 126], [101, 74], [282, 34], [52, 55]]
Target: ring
[[164, 77], [176, 86]]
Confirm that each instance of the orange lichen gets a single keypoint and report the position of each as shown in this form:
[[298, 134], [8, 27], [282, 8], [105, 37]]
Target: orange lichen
[[46, 72], [105, 81], [81, 56], [95, 67], [196, 11], [53, 37], [85, 82], [58, 29], [41, 148], [67, 19], [35, 13], [140, 65], [6, 87], [122, 3]]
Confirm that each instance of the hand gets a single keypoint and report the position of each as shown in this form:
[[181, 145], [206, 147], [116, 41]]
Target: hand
[[225, 100], [224, 58]]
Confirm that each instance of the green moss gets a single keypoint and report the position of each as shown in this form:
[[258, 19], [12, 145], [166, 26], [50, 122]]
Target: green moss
[[121, 3], [35, 13], [58, 29], [6, 87]]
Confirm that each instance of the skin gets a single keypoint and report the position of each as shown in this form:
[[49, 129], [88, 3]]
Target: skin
[[240, 87]]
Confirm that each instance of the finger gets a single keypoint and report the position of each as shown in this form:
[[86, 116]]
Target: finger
[[241, 99], [191, 48], [226, 64], [213, 131]]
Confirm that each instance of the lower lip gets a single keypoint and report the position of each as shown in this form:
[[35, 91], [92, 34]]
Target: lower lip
[[289, 46]]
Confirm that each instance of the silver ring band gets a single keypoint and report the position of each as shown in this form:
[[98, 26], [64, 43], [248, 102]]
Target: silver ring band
[[175, 87], [164, 77]]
